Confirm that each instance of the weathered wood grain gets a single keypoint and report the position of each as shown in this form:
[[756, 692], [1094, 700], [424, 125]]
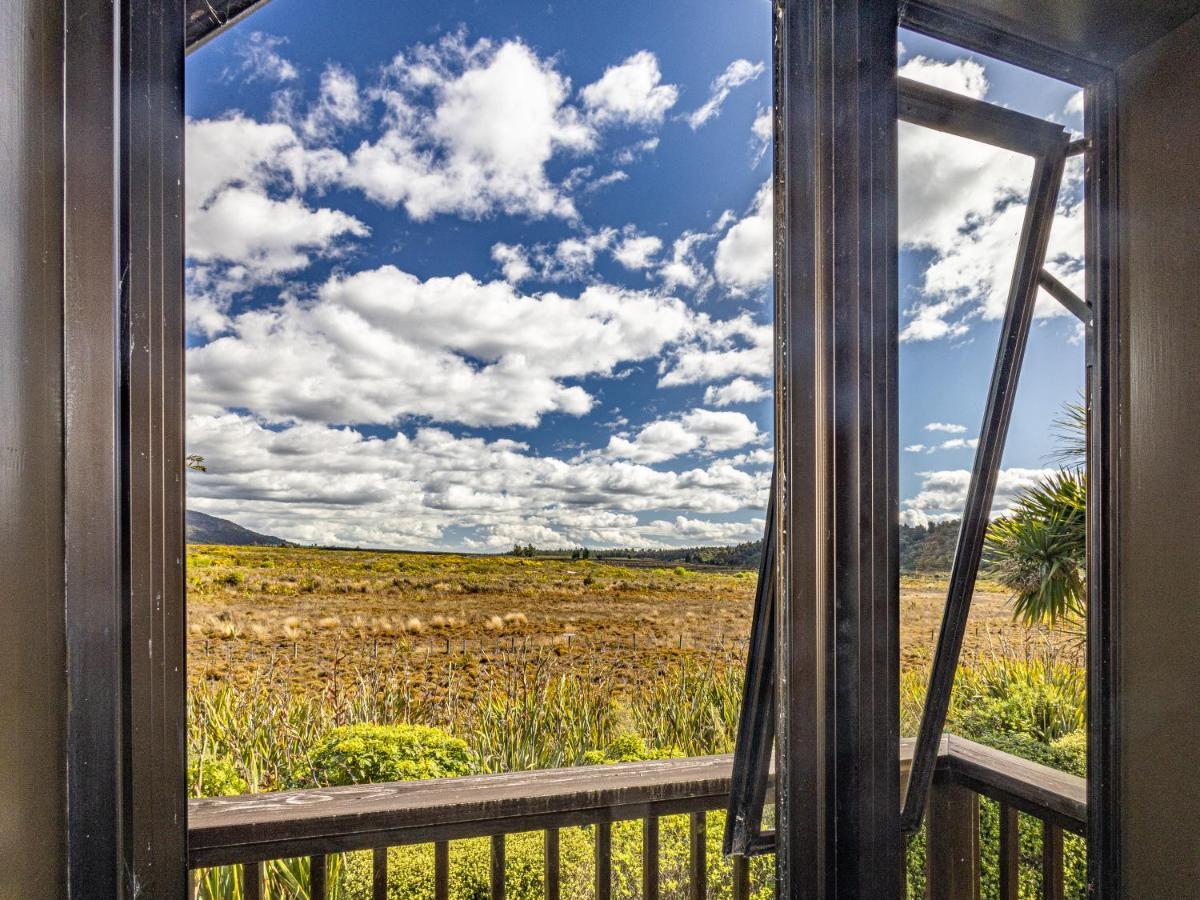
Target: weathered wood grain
[[251, 828], [1054, 796], [359, 817]]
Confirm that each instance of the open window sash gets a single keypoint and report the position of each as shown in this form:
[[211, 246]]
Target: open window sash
[[1048, 145]]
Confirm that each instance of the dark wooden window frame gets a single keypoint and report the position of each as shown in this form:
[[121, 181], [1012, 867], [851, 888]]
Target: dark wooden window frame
[[123, 346], [993, 38], [820, 849], [1048, 146], [123, 390]]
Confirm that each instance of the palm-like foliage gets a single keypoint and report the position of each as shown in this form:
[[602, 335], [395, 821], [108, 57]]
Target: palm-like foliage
[[1039, 550]]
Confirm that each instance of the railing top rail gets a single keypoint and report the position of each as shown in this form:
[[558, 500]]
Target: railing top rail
[[268, 826], [1058, 797], [247, 828]]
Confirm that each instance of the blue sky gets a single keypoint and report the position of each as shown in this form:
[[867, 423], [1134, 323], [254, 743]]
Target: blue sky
[[468, 274]]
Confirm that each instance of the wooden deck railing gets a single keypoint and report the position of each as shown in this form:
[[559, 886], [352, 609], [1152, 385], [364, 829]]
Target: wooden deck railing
[[251, 829]]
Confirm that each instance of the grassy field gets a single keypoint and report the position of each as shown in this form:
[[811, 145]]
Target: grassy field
[[545, 662], [307, 617]]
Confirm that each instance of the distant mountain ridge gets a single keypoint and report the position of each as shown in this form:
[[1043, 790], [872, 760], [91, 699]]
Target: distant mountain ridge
[[205, 529]]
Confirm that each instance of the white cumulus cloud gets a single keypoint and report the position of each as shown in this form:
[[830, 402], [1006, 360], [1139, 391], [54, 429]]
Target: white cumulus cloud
[[943, 494], [470, 130], [744, 258], [314, 483], [737, 73], [701, 430], [740, 390], [630, 93], [383, 345]]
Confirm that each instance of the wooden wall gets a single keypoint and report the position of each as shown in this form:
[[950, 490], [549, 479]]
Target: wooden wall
[[32, 659], [1159, 147]]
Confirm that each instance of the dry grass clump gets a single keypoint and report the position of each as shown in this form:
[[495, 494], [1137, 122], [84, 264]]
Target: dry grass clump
[[292, 628], [328, 623], [413, 626], [515, 618], [494, 623]]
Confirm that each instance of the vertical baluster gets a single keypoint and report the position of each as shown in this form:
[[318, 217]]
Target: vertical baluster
[[698, 857], [650, 858], [497, 867], [316, 868], [1010, 853], [551, 878], [441, 870], [379, 866], [1052, 862], [952, 843], [603, 861], [252, 881], [741, 878]]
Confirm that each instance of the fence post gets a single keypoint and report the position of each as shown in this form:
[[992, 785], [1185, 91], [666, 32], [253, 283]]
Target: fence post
[[952, 842]]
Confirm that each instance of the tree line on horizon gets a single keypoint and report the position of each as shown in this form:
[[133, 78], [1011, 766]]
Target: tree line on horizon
[[923, 548]]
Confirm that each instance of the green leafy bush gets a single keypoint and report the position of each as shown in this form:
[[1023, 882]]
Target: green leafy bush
[[627, 748], [410, 869], [366, 753], [214, 776], [1032, 708]]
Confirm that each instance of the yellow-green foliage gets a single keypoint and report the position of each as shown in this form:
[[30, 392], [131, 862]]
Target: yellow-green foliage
[[1032, 707], [628, 748], [214, 777], [410, 869], [366, 753]]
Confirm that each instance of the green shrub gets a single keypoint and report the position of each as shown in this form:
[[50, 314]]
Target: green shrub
[[1032, 708], [214, 776], [410, 869], [366, 753], [626, 748]]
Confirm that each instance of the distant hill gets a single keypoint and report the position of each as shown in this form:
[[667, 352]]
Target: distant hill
[[922, 549], [739, 556], [206, 529], [928, 548]]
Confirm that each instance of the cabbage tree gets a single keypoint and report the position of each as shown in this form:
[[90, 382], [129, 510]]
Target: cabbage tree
[[1039, 549]]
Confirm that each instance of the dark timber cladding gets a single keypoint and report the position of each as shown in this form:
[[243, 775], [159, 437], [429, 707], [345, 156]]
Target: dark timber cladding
[[151, 263], [837, 738], [34, 705], [91, 388]]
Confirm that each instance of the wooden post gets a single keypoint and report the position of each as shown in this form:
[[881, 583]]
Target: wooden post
[[650, 858], [550, 887], [441, 870], [1052, 862], [698, 833], [316, 868], [497, 867], [1010, 853], [603, 861], [952, 843], [741, 878], [252, 881], [379, 873]]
